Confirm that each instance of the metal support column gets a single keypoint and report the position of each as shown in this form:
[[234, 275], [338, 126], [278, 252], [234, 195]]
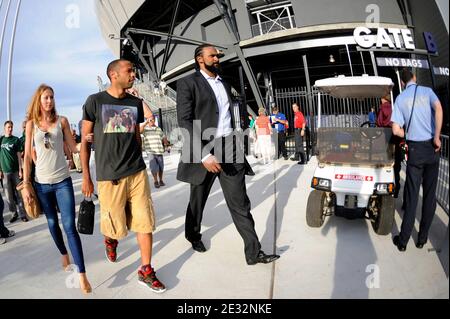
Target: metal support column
[[399, 80], [270, 100], [169, 39], [349, 59], [11, 53], [310, 108], [374, 63], [224, 7], [243, 100], [141, 56], [161, 125], [2, 34], [243, 95]]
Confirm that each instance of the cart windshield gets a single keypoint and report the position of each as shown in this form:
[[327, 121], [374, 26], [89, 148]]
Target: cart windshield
[[361, 146]]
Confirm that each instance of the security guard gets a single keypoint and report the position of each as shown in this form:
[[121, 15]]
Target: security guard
[[419, 109]]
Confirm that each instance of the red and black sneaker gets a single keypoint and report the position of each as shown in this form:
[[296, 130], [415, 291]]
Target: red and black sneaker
[[111, 249], [147, 277]]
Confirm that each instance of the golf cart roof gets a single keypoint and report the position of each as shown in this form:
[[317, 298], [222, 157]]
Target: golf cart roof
[[356, 86]]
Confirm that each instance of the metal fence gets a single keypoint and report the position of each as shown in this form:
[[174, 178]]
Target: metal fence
[[335, 112], [443, 180]]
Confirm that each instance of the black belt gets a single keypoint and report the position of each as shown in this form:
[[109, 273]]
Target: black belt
[[419, 142]]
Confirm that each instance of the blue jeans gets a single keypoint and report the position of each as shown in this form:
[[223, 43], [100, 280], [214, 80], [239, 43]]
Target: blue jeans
[[62, 193]]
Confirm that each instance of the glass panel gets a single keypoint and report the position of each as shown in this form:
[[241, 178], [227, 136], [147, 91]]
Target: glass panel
[[362, 146]]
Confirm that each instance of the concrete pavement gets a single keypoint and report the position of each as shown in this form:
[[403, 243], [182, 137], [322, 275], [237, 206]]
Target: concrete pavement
[[343, 259]]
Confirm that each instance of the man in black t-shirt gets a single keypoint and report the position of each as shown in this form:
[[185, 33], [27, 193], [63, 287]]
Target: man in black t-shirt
[[124, 191]]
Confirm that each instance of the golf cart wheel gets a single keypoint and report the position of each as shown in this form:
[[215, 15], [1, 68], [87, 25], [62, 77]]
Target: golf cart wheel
[[385, 219], [315, 215]]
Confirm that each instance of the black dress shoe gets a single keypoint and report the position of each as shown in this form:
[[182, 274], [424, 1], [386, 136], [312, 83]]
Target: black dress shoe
[[198, 246], [396, 241], [421, 243], [262, 258]]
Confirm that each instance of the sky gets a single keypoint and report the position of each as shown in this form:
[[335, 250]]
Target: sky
[[58, 43]]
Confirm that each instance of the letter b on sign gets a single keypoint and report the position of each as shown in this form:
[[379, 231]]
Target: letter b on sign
[[430, 42]]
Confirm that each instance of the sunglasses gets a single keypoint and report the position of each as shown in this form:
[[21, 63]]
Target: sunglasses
[[47, 140]]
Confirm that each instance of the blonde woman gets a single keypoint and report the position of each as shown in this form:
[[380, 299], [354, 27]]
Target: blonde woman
[[47, 132], [263, 135]]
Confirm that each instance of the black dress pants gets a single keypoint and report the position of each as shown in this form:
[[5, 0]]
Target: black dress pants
[[299, 149], [281, 147], [232, 181], [422, 168]]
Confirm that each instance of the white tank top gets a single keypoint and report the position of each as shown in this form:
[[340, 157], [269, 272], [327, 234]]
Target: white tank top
[[51, 165]]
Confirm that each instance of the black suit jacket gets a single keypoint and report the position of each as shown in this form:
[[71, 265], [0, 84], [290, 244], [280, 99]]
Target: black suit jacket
[[196, 101]]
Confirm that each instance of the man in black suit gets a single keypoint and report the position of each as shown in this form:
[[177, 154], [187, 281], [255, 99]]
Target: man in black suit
[[213, 147]]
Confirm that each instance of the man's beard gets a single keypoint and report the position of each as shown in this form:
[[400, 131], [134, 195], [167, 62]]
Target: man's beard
[[216, 69]]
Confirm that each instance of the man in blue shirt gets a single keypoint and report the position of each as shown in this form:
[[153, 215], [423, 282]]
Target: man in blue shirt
[[372, 117], [279, 122], [423, 138]]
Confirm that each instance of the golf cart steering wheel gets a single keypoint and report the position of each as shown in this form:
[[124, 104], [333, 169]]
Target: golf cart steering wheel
[[366, 124], [370, 134]]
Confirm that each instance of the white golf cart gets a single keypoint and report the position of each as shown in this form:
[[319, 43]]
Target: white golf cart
[[355, 175]]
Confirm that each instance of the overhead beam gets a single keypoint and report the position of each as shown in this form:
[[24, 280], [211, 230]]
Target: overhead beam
[[151, 71], [169, 39], [176, 37]]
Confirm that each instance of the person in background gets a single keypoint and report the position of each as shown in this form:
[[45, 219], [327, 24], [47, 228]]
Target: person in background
[[252, 134], [279, 122], [372, 117], [4, 232], [154, 143], [11, 169], [299, 126], [263, 135], [384, 120]]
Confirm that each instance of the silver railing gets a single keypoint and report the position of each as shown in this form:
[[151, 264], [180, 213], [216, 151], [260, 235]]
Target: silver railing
[[443, 180]]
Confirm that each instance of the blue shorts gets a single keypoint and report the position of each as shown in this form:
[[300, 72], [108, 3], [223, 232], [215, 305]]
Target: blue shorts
[[156, 163]]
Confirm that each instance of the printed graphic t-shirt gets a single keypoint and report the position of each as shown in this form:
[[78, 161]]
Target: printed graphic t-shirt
[[9, 147], [117, 152]]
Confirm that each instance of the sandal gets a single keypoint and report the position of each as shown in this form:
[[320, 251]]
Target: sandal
[[161, 183], [157, 185]]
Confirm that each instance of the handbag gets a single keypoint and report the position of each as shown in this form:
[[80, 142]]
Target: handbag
[[86, 214], [32, 209], [404, 144]]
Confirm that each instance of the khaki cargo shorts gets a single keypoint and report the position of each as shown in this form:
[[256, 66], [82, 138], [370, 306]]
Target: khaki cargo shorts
[[126, 206]]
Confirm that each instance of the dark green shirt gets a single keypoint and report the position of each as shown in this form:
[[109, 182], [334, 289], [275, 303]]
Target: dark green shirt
[[9, 147], [22, 142]]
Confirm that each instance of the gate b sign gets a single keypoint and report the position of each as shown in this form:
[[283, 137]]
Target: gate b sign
[[393, 38]]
